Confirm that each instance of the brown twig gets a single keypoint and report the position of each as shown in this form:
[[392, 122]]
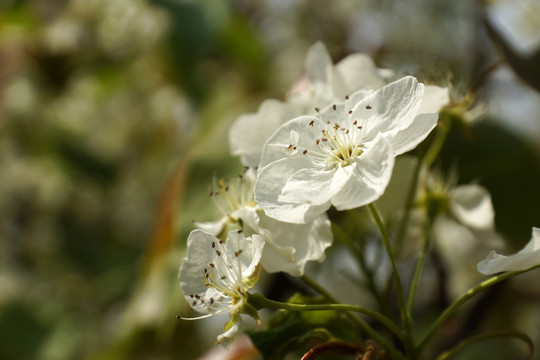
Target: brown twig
[[332, 347]]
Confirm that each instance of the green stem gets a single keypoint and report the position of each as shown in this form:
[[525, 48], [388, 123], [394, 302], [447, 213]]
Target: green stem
[[437, 144], [259, 302], [464, 298], [386, 241], [488, 335], [369, 282], [409, 201], [418, 269], [426, 158], [397, 279], [318, 288], [383, 319]]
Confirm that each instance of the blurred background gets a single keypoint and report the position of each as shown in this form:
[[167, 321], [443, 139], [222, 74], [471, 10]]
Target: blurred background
[[114, 116]]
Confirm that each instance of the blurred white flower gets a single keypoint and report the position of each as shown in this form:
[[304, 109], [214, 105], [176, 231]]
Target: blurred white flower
[[463, 231], [249, 132], [326, 83], [518, 21], [463, 225], [288, 246], [216, 276], [525, 258], [342, 157]]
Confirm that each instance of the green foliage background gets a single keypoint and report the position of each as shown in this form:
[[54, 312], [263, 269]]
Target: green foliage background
[[114, 115]]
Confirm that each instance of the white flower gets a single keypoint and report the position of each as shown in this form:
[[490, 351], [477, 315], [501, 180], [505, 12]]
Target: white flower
[[324, 84], [216, 276], [465, 230], [288, 246], [249, 132], [525, 258], [342, 157]]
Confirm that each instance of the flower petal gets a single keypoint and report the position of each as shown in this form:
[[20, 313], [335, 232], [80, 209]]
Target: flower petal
[[318, 64], [270, 183], [234, 329], [309, 186], [525, 258], [246, 252], [309, 242], [370, 175], [191, 274], [299, 132], [389, 109], [249, 217], [359, 72], [471, 205], [409, 137], [212, 227], [250, 131], [435, 98]]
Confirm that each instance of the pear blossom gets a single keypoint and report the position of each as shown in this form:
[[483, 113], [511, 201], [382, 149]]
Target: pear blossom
[[323, 84], [344, 156], [216, 276], [463, 229], [326, 83], [249, 132], [527, 257], [289, 247], [462, 216]]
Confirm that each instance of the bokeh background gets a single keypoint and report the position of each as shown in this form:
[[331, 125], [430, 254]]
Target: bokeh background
[[114, 115]]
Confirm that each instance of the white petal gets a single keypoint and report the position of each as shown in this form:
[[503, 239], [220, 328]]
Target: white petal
[[359, 72], [318, 63], [309, 186], [246, 252], [435, 98], [249, 216], [249, 132], [454, 240], [390, 109], [308, 240], [370, 175], [269, 185], [527, 257], [226, 339], [408, 138], [297, 132], [471, 204], [237, 259], [395, 195], [191, 274], [212, 227]]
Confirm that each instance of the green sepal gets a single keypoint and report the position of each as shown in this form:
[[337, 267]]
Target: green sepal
[[251, 311]]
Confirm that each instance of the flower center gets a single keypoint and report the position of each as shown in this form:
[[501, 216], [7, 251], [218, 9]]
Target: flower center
[[234, 195], [338, 146], [225, 274]]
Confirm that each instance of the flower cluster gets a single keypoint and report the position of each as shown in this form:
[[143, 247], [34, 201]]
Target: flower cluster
[[332, 143]]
